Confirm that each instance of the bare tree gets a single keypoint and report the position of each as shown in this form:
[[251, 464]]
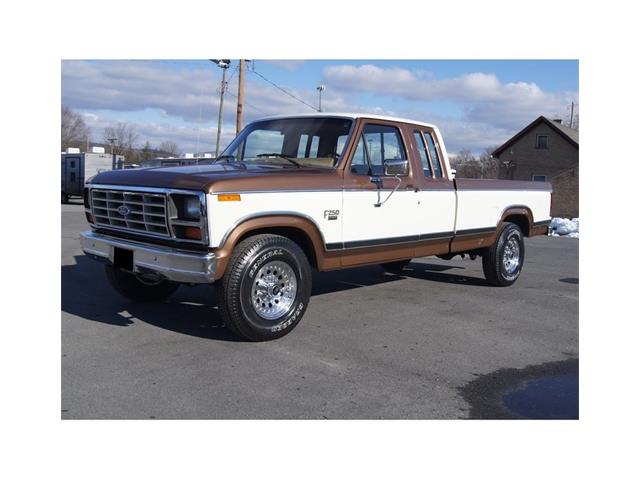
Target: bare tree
[[147, 153], [74, 131], [169, 148], [468, 165], [488, 164], [123, 137]]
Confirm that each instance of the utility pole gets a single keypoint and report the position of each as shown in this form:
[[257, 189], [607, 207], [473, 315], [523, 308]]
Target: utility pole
[[223, 64], [112, 140], [571, 118], [320, 89], [240, 97]]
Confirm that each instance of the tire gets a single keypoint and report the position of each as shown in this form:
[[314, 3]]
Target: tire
[[395, 267], [65, 198], [266, 287], [136, 289], [502, 262]]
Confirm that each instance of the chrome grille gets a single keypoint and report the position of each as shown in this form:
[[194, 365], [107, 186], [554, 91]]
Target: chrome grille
[[131, 210]]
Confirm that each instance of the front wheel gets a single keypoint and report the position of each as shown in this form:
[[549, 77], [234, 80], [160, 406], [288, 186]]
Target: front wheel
[[139, 288], [502, 262], [266, 287]]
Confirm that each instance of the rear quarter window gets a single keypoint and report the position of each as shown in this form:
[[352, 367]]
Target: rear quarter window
[[433, 153]]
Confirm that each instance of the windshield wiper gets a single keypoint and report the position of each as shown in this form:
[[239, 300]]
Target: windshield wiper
[[288, 158]]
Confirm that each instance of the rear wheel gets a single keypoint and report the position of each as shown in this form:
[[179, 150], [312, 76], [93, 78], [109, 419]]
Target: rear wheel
[[502, 262], [395, 267], [266, 287], [139, 288]]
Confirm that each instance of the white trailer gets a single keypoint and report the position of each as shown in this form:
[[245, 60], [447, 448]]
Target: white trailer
[[78, 167]]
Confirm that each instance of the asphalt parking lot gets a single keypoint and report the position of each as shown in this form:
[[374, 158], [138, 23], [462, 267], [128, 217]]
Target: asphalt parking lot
[[371, 345]]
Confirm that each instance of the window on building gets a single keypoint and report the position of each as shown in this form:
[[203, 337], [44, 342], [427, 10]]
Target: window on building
[[539, 178], [542, 142]]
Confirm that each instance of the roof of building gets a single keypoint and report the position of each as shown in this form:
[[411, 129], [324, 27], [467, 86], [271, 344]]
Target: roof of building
[[569, 134], [352, 116]]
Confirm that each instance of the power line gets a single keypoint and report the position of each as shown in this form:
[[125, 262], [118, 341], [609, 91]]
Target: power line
[[247, 103], [284, 91], [234, 70]]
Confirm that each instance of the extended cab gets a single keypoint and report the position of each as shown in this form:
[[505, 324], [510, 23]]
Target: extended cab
[[323, 191]]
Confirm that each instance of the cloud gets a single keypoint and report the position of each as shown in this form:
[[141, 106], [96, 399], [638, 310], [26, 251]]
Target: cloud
[[289, 65], [483, 96], [111, 91], [179, 101]]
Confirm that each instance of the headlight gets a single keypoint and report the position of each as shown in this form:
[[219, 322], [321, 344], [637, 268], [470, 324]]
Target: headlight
[[192, 208], [187, 216]]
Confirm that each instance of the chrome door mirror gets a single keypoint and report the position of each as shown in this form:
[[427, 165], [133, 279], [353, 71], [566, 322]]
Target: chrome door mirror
[[396, 167]]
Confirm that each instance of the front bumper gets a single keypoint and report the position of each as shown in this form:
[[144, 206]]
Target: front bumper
[[168, 263]]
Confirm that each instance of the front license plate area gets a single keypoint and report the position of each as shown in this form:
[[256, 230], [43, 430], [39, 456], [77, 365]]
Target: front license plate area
[[123, 258]]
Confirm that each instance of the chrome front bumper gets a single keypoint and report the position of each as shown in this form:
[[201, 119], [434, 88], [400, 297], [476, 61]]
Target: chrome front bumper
[[169, 263]]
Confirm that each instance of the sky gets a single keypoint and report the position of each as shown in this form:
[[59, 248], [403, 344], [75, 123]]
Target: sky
[[477, 104]]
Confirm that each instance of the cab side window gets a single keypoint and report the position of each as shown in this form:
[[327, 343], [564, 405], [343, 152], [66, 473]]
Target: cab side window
[[377, 144], [424, 156], [433, 153], [359, 162]]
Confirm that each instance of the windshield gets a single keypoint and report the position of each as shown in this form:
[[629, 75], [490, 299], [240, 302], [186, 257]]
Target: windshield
[[299, 142]]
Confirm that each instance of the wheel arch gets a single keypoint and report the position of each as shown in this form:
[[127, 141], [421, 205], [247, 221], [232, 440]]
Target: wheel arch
[[520, 215], [299, 228]]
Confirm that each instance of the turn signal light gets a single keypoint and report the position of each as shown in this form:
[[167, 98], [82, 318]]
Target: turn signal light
[[228, 197], [192, 233]]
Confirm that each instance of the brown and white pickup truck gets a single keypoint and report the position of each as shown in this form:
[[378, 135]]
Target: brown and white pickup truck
[[323, 191]]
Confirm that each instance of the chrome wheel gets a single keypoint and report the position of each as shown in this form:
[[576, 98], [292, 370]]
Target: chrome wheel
[[511, 255], [274, 290]]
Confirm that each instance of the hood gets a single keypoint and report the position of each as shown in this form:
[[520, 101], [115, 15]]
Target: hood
[[222, 177]]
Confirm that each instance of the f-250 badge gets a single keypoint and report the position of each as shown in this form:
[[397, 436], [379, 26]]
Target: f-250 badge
[[331, 214]]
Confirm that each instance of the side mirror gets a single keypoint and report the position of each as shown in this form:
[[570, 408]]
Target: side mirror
[[396, 167]]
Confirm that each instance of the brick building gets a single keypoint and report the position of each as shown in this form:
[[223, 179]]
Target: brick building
[[544, 150]]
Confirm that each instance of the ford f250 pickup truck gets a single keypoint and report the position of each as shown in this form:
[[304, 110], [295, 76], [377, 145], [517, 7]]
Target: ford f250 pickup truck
[[323, 191]]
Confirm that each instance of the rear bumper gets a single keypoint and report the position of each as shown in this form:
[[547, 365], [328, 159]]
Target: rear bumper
[[166, 262]]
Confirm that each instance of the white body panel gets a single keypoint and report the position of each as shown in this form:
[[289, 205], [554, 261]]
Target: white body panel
[[362, 220], [223, 216], [484, 208], [436, 211], [406, 213]]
